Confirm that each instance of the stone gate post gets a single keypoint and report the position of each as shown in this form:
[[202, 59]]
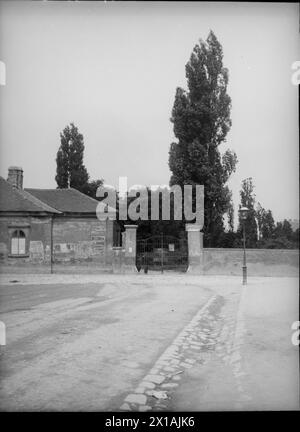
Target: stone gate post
[[130, 248], [195, 247], [117, 263]]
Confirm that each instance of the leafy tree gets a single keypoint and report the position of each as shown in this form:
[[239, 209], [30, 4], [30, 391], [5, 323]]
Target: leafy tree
[[147, 228], [91, 187], [277, 243], [295, 238], [70, 170], [260, 214], [283, 237], [228, 239], [201, 119], [266, 224], [248, 200], [230, 214], [284, 229]]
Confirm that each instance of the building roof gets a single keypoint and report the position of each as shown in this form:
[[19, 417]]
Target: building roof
[[16, 200], [66, 200], [53, 201]]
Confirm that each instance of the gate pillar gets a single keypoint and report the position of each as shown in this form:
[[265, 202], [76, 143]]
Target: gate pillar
[[117, 263], [130, 248], [195, 247]]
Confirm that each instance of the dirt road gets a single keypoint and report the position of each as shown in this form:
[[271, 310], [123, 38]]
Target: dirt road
[[106, 342]]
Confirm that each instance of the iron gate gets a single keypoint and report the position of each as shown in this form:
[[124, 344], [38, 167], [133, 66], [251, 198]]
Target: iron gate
[[161, 253]]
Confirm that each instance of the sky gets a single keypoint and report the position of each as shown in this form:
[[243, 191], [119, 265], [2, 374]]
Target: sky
[[113, 69]]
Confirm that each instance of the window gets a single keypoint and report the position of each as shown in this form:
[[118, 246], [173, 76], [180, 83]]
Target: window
[[18, 243]]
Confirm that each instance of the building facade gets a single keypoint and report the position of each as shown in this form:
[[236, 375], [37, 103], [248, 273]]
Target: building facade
[[46, 227]]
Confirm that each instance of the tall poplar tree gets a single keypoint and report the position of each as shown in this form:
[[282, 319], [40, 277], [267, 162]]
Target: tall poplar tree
[[70, 170], [251, 225], [201, 119]]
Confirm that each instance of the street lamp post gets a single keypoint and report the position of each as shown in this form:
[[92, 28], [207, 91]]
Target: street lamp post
[[244, 213]]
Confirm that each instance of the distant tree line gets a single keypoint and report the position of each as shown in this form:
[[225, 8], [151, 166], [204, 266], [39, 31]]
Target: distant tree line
[[261, 230]]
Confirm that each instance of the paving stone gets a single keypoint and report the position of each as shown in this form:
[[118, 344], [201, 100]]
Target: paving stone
[[196, 343], [157, 379], [160, 408], [125, 407], [154, 371], [139, 399], [169, 357], [145, 408], [174, 362], [160, 404], [147, 384], [139, 390]]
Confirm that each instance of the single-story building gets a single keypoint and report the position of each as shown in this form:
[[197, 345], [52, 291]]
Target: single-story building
[[51, 226]]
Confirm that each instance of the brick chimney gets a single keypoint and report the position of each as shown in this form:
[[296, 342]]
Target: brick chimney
[[15, 177]]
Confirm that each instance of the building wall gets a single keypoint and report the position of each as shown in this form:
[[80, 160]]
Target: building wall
[[38, 235], [75, 241], [82, 239], [260, 262]]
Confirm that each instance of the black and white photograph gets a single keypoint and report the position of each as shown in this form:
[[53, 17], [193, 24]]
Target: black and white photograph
[[149, 209]]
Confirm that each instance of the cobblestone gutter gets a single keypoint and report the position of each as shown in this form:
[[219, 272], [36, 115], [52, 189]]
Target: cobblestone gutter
[[192, 346]]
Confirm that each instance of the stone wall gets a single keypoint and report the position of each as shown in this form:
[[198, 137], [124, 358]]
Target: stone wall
[[260, 262]]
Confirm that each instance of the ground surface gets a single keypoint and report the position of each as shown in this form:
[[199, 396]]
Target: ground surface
[[108, 342]]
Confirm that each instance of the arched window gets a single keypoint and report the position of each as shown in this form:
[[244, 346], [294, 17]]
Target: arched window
[[18, 243]]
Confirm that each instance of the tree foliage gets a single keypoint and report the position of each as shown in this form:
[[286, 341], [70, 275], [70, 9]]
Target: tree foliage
[[201, 121], [261, 231], [70, 169], [265, 221], [90, 188], [247, 196]]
